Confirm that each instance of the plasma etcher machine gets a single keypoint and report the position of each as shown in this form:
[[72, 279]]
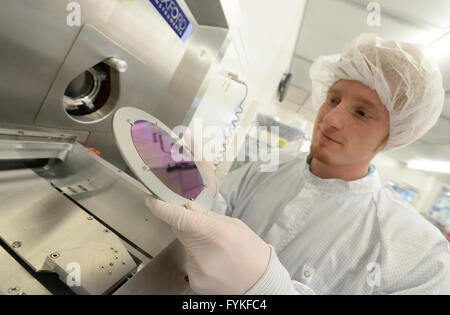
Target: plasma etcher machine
[[89, 92]]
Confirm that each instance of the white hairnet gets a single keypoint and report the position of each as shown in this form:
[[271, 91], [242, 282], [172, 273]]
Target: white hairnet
[[407, 83]]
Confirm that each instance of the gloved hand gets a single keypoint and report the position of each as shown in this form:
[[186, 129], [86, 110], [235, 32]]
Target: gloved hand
[[224, 256]]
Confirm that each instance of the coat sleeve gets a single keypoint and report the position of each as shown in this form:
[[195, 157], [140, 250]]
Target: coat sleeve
[[277, 281], [414, 256], [430, 276]]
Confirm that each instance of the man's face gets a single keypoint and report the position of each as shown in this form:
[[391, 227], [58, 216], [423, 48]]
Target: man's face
[[350, 125]]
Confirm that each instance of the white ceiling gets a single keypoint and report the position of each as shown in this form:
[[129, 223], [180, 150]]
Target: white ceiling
[[328, 25]]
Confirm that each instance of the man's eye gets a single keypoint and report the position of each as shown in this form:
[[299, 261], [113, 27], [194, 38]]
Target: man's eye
[[361, 113], [333, 100]]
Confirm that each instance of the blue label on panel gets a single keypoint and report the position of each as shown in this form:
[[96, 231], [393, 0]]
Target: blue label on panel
[[174, 16]]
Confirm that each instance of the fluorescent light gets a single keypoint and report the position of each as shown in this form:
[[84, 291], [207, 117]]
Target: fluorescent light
[[431, 166], [439, 48]]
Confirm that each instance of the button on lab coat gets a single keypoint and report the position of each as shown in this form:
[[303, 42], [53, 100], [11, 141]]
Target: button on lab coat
[[330, 236]]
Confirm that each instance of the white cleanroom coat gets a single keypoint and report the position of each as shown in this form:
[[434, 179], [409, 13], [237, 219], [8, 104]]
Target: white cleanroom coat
[[331, 236]]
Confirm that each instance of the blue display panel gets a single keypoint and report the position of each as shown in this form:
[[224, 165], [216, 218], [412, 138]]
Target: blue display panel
[[174, 16]]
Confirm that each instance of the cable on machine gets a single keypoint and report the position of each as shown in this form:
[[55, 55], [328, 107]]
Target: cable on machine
[[233, 124]]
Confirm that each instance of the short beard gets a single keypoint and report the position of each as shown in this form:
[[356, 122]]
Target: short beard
[[319, 154]]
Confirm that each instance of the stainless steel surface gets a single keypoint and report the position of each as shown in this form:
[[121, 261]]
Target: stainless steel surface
[[82, 56], [17, 144], [15, 280], [195, 65], [20, 130], [80, 208], [41, 54], [56, 235], [112, 196], [166, 274], [49, 231], [116, 63], [12, 150], [208, 12]]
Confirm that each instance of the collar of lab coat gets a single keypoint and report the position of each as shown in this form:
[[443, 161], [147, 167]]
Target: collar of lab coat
[[368, 184]]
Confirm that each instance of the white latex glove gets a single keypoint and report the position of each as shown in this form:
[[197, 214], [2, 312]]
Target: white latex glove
[[224, 256]]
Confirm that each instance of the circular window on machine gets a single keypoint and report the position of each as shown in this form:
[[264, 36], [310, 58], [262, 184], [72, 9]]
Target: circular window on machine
[[89, 91]]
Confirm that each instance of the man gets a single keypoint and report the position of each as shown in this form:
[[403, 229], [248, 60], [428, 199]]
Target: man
[[323, 223]]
